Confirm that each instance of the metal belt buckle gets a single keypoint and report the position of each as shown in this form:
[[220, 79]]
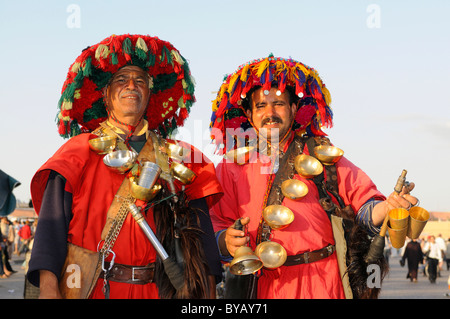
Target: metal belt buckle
[[330, 249], [306, 257], [132, 273]]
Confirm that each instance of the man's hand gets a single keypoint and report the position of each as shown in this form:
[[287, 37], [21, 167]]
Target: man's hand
[[394, 200], [235, 238], [48, 283]]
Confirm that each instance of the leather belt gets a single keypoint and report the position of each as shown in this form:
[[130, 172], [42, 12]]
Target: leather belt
[[138, 275], [310, 256]]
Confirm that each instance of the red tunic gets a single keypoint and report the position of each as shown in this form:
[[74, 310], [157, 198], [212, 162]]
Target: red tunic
[[244, 190], [93, 186]]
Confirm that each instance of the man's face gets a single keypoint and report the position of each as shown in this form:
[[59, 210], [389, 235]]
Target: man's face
[[128, 93], [271, 114]]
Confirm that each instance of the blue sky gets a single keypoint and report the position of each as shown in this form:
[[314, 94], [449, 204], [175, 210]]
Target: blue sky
[[386, 64]]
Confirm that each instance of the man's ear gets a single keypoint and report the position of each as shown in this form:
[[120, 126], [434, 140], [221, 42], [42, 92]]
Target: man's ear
[[105, 95], [248, 112], [294, 109]]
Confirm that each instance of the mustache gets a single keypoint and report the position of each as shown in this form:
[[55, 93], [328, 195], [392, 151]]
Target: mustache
[[274, 119], [131, 92]]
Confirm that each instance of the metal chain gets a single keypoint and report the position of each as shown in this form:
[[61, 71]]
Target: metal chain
[[116, 226]]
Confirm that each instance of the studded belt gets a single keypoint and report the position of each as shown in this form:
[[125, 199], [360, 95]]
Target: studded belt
[[310, 256], [138, 275]]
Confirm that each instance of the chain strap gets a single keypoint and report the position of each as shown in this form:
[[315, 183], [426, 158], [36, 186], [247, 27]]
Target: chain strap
[[116, 226]]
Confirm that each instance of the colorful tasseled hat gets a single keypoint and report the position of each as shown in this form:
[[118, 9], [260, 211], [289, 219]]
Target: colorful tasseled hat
[[314, 112], [81, 106]]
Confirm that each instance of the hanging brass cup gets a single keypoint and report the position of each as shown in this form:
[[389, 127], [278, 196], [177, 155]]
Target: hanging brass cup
[[328, 154], [142, 193], [177, 152], [397, 236], [278, 216], [240, 155], [294, 189], [398, 218], [120, 161], [182, 173], [418, 219], [103, 145], [272, 254], [245, 262], [307, 166]]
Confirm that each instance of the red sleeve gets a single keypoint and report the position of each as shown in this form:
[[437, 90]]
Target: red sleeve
[[68, 161], [225, 211], [355, 187]]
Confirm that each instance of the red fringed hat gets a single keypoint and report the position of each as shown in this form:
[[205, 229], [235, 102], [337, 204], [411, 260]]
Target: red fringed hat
[[313, 114], [81, 106]]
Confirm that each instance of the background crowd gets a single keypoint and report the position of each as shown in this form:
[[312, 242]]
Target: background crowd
[[16, 237]]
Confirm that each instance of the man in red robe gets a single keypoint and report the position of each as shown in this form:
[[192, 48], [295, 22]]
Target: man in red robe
[[264, 108], [131, 88]]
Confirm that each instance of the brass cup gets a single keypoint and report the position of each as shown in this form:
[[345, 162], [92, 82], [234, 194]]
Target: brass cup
[[245, 262], [307, 166], [120, 161], [240, 155], [278, 216], [398, 218], [182, 173], [418, 219], [397, 236], [142, 193], [103, 145], [328, 154], [294, 189], [272, 254], [176, 151]]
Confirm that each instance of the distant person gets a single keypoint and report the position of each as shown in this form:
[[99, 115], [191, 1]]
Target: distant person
[[413, 255], [433, 254]]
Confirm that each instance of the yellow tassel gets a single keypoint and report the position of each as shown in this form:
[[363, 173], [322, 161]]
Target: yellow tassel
[[101, 52], [233, 80], [66, 105], [140, 43], [327, 95], [263, 65], [176, 55], [76, 67], [244, 73]]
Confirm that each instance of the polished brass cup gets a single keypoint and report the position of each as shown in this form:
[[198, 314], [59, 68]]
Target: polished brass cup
[[240, 155], [142, 193], [398, 218], [307, 166], [120, 161], [176, 151], [272, 254], [278, 216], [245, 262], [103, 145], [418, 219], [328, 154], [294, 189], [397, 236], [182, 173]]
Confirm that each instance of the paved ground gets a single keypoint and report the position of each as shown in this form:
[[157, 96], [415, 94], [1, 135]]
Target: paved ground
[[395, 286]]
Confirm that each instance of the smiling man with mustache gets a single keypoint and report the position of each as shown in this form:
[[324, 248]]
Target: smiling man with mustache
[[272, 114], [127, 96], [287, 104]]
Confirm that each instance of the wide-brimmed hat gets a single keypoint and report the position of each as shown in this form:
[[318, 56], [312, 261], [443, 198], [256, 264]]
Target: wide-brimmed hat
[[81, 106], [314, 111]]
